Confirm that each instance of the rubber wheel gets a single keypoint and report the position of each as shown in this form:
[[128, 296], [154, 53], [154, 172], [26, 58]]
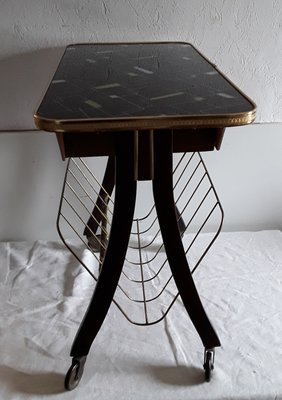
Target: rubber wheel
[[73, 376]]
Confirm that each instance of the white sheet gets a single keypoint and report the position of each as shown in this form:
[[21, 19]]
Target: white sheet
[[44, 293]]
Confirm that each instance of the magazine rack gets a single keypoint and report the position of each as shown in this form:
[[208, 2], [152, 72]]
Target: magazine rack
[[86, 210]]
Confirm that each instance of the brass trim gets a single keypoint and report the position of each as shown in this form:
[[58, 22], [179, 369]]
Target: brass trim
[[153, 122], [90, 125]]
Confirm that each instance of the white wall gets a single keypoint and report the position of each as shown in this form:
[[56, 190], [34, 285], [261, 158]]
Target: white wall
[[247, 174], [243, 37]]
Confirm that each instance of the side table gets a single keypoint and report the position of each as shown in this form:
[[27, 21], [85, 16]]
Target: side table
[[137, 104]]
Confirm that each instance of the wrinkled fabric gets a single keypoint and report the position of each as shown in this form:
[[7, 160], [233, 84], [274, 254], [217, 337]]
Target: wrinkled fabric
[[44, 293]]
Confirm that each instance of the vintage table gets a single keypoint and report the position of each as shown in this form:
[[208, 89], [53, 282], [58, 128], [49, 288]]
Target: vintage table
[[138, 103]]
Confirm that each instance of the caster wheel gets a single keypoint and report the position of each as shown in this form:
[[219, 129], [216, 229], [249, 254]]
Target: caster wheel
[[74, 374], [208, 364]]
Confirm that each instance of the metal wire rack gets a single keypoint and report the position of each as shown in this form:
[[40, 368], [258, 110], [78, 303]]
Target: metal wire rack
[[146, 282]]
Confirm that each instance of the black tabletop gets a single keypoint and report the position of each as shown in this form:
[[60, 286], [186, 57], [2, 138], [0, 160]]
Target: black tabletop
[[154, 81]]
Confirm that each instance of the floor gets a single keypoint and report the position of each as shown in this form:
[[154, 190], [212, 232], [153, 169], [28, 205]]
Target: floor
[[44, 293]]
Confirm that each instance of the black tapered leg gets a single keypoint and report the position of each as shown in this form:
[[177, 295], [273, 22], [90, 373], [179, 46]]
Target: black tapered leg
[[165, 207], [125, 197], [102, 199]]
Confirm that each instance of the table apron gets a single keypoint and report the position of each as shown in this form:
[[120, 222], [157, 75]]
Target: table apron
[[85, 144]]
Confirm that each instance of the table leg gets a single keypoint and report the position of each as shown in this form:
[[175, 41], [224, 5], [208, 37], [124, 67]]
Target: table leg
[[167, 215], [102, 199], [106, 190], [114, 258]]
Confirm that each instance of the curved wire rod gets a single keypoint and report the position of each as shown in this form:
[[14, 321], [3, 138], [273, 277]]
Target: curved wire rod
[[98, 240], [145, 300], [73, 252], [88, 195], [208, 175], [144, 247], [188, 181], [184, 169], [199, 205], [151, 278], [142, 277], [151, 210], [152, 224], [201, 227], [81, 202], [147, 323], [96, 180], [211, 243]]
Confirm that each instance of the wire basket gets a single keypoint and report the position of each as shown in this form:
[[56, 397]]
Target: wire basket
[[146, 289]]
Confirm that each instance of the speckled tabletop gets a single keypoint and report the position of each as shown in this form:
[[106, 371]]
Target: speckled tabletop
[[147, 80]]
